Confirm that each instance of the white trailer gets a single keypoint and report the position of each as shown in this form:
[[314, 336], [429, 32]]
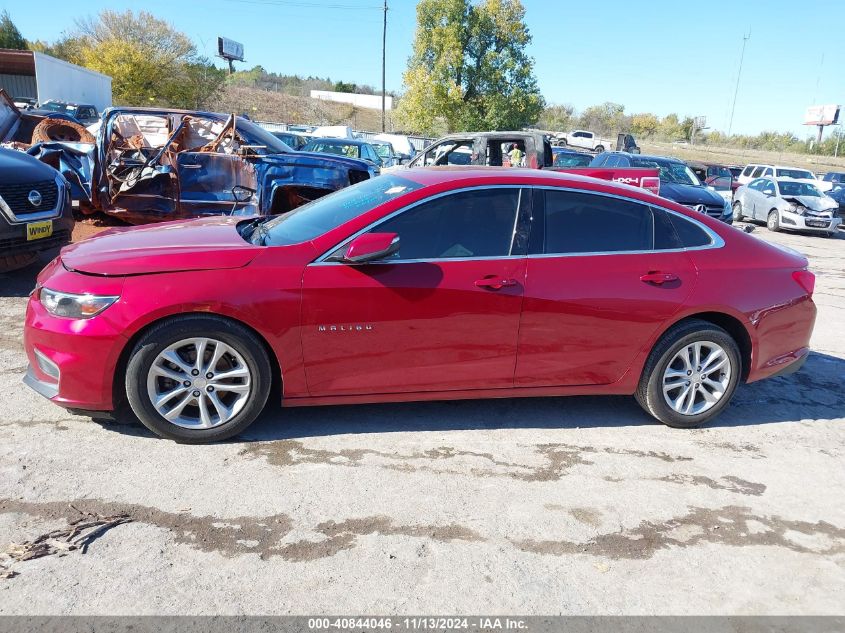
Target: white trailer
[[28, 74]]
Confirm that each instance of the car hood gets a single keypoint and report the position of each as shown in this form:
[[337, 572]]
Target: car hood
[[690, 194], [17, 167], [814, 202], [317, 159], [203, 244]]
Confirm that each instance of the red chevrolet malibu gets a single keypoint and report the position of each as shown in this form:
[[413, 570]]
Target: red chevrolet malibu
[[419, 285]]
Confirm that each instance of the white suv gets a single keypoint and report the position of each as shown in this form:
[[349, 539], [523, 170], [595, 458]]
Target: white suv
[[752, 172]]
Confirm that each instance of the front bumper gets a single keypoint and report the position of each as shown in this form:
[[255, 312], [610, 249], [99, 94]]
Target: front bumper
[[72, 362], [810, 223]]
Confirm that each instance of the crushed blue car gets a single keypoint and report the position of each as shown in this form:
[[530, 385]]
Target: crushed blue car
[[152, 164]]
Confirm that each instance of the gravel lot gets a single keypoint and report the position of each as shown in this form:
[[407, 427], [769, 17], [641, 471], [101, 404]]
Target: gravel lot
[[576, 506]]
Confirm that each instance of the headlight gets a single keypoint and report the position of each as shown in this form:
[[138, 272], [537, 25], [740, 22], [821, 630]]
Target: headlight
[[71, 306], [799, 209]]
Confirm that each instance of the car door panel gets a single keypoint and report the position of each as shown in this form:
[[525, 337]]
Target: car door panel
[[585, 318], [440, 314], [603, 275], [207, 180], [410, 326]]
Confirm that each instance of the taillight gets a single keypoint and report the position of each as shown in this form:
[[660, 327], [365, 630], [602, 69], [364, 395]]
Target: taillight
[[652, 184], [806, 280]]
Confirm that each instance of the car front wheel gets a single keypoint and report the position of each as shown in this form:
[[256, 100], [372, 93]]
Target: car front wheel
[[773, 221], [738, 211], [690, 375], [198, 379]]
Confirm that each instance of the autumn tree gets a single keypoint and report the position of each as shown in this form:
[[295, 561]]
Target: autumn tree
[[469, 69], [10, 37], [149, 61], [557, 118]]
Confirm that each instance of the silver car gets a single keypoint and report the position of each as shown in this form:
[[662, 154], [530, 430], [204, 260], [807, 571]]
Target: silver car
[[786, 204]]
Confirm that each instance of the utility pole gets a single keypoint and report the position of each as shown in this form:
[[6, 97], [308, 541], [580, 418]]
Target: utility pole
[[745, 39], [383, 62]]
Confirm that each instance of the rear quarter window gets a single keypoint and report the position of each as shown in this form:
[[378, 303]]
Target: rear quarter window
[[689, 233]]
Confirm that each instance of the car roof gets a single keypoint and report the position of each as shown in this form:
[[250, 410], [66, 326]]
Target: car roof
[[668, 159], [338, 141]]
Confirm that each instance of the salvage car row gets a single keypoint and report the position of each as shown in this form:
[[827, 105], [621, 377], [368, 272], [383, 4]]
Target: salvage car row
[[195, 324]]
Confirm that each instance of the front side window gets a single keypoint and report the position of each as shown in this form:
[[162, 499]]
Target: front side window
[[475, 223], [788, 188], [329, 212], [588, 223]]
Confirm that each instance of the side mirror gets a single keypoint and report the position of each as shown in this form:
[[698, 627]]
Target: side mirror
[[370, 247], [242, 194]]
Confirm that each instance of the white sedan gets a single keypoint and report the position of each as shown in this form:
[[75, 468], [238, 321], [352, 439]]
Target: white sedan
[[786, 204]]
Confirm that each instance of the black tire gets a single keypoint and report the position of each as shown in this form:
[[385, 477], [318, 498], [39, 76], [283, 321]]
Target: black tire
[[649, 393], [773, 221], [738, 217], [176, 329], [599, 149]]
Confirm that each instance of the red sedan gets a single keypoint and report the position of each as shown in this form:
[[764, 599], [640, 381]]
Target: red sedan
[[419, 285]]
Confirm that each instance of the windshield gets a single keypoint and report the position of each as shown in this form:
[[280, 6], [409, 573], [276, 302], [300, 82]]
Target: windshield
[[571, 160], [329, 212], [259, 136], [799, 189], [670, 172], [327, 147], [795, 173], [384, 150], [54, 106]]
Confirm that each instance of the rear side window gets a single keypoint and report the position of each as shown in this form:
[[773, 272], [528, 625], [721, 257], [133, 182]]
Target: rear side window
[[586, 223], [757, 172], [747, 171], [689, 233]]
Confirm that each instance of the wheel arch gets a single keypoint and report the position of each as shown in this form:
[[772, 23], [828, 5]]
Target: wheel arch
[[118, 392], [731, 324]]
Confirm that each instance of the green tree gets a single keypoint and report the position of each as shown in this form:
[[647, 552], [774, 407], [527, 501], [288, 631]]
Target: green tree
[[469, 69], [644, 125], [149, 61], [557, 118], [10, 37]]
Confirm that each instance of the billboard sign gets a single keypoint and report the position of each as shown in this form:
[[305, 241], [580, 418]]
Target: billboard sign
[[821, 115], [230, 49]]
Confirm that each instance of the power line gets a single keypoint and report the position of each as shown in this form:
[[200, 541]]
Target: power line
[[310, 5]]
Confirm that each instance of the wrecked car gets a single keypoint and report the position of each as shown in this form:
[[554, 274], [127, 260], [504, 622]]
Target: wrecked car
[[152, 164], [787, 204]]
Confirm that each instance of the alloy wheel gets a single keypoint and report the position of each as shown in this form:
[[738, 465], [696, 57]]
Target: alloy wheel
[[199, 383], [696, 378]]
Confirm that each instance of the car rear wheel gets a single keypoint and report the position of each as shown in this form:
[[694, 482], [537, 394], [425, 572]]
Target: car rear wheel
[[773, 221], [690, 375], [738, 211], [599, 149], [198, 379]]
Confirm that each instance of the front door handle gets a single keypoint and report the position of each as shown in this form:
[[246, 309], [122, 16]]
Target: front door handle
[[657, 277], [494, 282]]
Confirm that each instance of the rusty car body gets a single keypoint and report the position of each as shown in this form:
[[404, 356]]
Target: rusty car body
[[152, 164]]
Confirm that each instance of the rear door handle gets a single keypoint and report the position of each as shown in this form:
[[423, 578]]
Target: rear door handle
[[657, 277], [494, 282]]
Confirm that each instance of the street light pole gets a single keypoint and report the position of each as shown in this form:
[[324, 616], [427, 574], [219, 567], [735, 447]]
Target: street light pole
[[383, 62]]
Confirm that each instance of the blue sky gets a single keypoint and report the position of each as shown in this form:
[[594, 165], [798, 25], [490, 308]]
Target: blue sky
[[658, 56]]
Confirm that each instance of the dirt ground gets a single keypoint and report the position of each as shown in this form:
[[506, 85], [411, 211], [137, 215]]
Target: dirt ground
[[554, 505]]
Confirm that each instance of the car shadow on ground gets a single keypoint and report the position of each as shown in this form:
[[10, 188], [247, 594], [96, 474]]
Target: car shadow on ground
[[814, 393], [21, 282]]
